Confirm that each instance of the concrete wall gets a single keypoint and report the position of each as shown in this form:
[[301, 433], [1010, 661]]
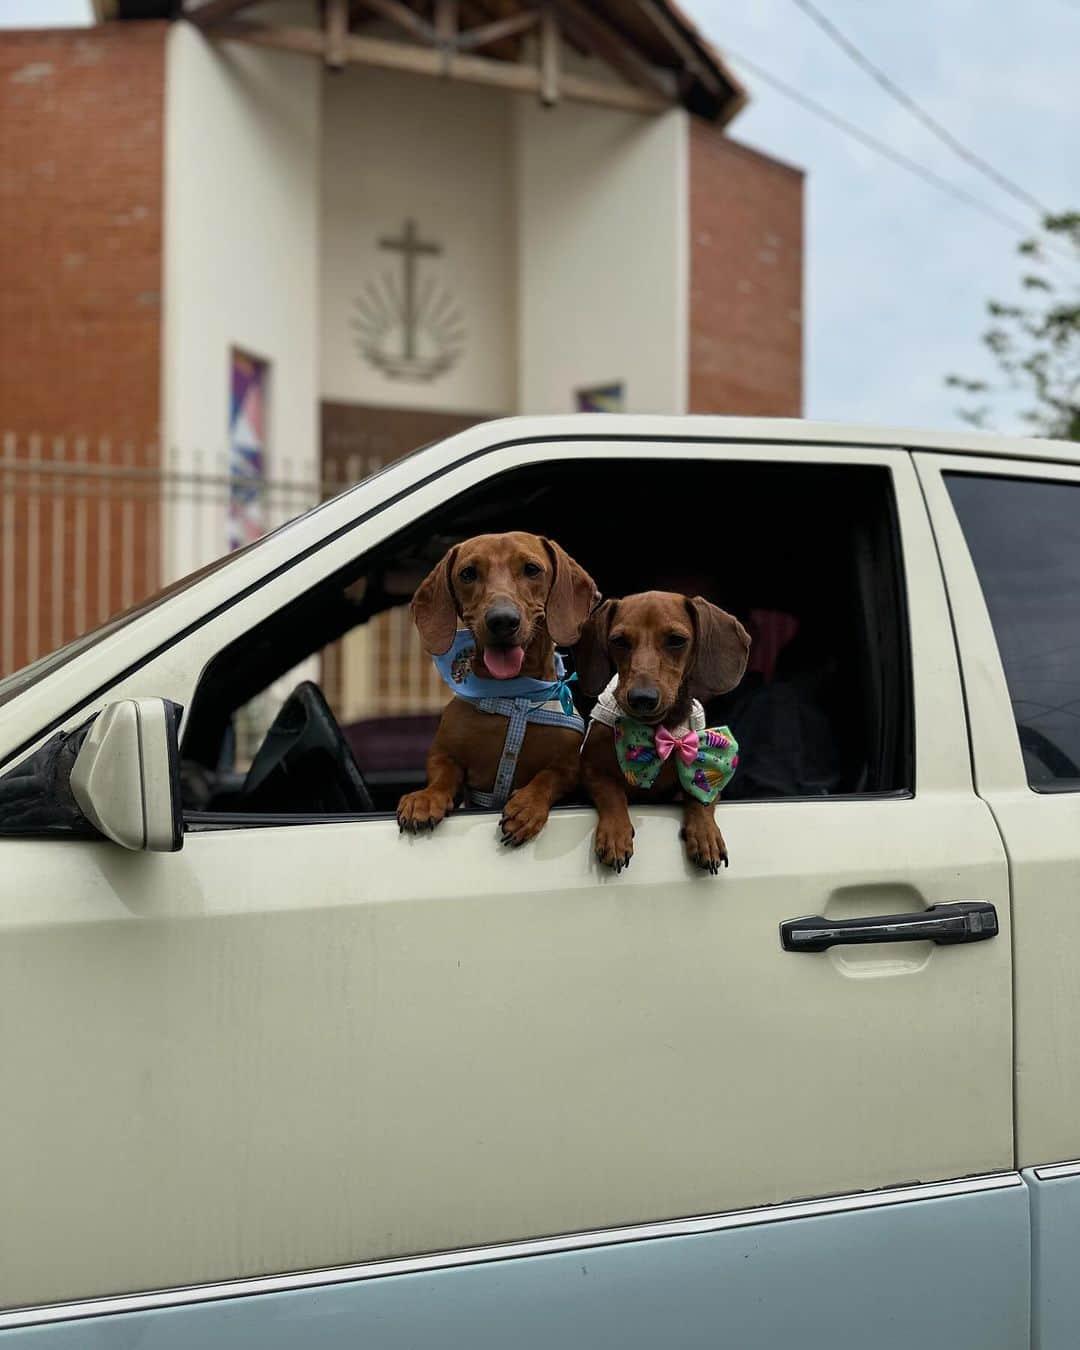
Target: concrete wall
[[746, 279], [602, 250], [242, 153], [399, 148]]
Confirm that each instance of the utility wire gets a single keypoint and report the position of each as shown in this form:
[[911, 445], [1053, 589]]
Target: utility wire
[[943, 134], [883, 148]]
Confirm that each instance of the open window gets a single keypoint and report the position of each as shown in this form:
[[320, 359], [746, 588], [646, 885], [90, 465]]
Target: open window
[[806, 555]]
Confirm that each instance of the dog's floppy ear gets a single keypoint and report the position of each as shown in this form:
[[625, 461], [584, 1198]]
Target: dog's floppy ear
[[721, 648], [434, 608], [571, 598], [591, 659]]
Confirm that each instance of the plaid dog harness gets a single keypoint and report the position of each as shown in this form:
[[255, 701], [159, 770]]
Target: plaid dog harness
[[521, 701]]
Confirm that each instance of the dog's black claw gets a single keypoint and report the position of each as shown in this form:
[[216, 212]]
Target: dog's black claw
[[725, 860], [682, 832]]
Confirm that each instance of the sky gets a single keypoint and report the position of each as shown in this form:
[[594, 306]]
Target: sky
[[897, 273]]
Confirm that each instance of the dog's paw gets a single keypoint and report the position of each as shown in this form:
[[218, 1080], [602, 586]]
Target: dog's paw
[[523, 817], [614, 843], [705, 845], [422, 810]]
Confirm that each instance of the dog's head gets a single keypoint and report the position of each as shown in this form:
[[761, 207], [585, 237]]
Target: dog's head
[[666, 649], [509, 590]]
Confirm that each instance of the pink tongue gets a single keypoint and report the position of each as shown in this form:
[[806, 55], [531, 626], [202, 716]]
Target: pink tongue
[[504, 662]]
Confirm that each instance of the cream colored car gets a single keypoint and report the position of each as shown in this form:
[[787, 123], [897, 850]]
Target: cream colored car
[[273, 1074]]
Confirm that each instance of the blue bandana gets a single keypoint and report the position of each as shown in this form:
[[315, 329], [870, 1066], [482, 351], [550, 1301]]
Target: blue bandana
[[456, 669]]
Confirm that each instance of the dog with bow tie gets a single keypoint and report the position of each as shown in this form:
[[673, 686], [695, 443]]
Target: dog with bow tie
[[647, 740]]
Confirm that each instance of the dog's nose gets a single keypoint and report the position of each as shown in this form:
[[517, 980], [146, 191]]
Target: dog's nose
[[644, 699], [503, 621]]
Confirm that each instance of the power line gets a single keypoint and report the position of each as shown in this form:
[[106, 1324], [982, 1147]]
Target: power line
[[883, 148], [927, 119]]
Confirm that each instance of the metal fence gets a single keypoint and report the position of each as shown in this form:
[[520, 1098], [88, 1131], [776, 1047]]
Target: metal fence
[[88, 528]]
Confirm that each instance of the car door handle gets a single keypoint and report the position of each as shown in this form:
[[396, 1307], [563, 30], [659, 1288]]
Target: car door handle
[[967, 921]]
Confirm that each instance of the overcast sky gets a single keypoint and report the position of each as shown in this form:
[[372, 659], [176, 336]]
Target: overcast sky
[[897, 273]]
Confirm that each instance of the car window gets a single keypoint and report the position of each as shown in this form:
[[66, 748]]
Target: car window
[[806, 555], [1024, 538]]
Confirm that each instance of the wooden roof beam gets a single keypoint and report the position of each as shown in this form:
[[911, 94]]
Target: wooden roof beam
[[485, 35], [389, 55], [213, 11], [399, 14], [600, 38]]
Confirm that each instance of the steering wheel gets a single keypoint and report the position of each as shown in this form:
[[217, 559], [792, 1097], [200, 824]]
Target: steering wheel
[[305, 763]]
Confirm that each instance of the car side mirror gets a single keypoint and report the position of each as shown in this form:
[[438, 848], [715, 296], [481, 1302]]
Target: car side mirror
[[126, 776]]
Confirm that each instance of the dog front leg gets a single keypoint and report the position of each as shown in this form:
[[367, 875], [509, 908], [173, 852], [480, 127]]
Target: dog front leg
[[526, 812], [705, 845], [614, 839], [422, 810]]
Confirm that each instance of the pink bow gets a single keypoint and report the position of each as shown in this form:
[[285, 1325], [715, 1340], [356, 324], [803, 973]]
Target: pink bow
[[687, 745]]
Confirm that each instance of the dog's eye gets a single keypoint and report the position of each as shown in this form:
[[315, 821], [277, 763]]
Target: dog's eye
[[622, 643], [532, 569], [675, 642], [467, 574]]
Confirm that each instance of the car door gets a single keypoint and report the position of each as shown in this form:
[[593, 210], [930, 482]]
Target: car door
[[1009, 534], [293, 1053]]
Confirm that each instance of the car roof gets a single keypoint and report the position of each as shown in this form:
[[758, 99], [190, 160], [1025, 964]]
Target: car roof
[[759, 430]]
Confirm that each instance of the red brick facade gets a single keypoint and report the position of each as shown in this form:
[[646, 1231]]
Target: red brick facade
[[81, 164], [81, 127], [746, 279]]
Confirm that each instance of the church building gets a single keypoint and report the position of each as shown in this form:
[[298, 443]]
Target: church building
[[296, 240]]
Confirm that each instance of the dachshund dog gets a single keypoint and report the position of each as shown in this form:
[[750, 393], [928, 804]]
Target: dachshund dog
[[518, 595], [668, 650]]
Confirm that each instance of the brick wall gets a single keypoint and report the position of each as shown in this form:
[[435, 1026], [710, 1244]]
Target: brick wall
[[80, 218], [81, 140], [745, 279]]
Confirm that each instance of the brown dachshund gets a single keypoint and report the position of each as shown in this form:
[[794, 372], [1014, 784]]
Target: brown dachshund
[[668, 650], [518, 595]]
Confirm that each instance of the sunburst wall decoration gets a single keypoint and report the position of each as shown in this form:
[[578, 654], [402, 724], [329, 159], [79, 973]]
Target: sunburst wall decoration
[[409, 328]]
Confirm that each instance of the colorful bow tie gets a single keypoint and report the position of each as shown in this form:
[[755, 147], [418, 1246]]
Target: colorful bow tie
[[686, 745], [705, 759]]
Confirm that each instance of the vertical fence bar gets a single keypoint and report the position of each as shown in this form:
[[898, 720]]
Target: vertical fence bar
[[58, 561], [7, 561], [104, 520], [33, 552], [81, 560], [197, 508], [129, 486], [153, 493]]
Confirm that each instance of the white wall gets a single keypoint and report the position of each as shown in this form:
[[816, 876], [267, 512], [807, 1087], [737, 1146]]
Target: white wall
[[603, 250], [400, 147], [241, 260]]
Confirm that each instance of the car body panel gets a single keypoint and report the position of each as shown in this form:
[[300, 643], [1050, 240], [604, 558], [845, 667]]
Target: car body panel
[[942, 1272], [228, 1025]]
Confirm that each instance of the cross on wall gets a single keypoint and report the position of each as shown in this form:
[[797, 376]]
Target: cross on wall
[[412, 248]]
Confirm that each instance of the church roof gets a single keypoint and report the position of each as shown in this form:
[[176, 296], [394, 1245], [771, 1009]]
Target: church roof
[[656, 52]]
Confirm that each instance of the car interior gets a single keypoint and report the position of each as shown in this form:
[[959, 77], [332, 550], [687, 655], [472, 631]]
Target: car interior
[[807, 556]]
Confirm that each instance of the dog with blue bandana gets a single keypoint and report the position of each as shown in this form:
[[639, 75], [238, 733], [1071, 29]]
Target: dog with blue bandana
[[491, 615]]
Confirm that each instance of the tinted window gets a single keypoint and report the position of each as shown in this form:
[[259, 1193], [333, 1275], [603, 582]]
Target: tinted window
[[1024, 538]]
